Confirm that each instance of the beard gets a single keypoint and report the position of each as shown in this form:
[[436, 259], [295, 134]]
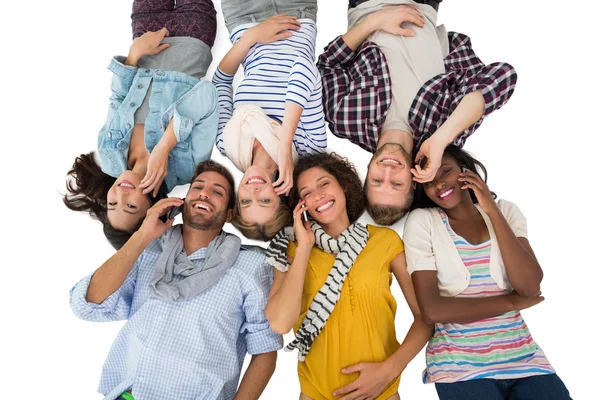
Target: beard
[[391, 146], [204, 223]]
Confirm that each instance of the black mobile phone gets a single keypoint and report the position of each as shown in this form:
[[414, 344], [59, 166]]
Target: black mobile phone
[[175, 211]]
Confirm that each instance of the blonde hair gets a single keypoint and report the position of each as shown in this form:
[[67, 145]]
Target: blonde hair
[[264, 232]]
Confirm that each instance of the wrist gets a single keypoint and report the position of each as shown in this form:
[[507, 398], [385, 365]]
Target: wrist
[[133, 58], [142, 237], [247, 40], [371, 23], [392, 367]]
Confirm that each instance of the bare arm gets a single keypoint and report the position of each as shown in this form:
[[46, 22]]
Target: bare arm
[[440, 309], [523, 271], [419, 333], [257, 376], [285, 298], [111, 275]]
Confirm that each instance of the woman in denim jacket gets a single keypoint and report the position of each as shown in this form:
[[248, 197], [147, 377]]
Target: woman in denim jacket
[[162, 117]]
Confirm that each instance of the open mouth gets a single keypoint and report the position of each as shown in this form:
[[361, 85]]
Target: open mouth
[[390, 161], [325, 207], [255, 180], [446, 193], [202, 207], [126, 185]]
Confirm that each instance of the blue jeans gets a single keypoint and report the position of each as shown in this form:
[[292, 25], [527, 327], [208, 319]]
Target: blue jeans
[[539, 387]]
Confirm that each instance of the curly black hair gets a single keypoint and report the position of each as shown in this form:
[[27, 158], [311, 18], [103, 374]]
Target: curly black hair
[[343, 171]]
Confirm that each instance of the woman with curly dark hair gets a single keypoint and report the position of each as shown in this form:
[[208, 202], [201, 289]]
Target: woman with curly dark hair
[[332, 279], [162, 117]]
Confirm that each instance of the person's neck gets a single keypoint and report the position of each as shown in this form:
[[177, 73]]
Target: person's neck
[[336, 228], [194, 239], [139, 168], [396, 136], [465, 211], [261, 158]]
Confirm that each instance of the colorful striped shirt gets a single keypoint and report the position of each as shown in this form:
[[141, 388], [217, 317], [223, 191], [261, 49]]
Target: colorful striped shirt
[[495, 348], [276, 73]]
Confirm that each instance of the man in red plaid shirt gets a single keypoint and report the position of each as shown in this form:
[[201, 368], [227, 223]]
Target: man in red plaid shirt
[[403, 88]]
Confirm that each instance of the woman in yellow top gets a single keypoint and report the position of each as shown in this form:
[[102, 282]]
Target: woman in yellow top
[[332, 280]]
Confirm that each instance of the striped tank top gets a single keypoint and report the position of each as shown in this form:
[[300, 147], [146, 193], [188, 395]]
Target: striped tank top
[[495, 348], [276, 73]]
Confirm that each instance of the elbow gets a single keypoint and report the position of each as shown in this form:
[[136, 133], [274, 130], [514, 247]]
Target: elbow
[[528, 291], [277, 323], [430, 315]]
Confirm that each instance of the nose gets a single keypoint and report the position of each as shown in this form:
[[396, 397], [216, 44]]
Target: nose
[[203, 194]]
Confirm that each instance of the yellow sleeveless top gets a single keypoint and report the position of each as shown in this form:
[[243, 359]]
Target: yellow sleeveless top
[[361, 326]]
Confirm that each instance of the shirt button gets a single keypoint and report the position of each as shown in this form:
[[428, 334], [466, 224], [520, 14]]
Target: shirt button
[[132, 104], [140, 86], [109, 134], [147, 70], [350, 287], [127, 126], [351, 297]]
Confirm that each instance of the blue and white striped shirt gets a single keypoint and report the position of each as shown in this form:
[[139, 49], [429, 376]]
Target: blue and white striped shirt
[[275, 73], [183, 350]]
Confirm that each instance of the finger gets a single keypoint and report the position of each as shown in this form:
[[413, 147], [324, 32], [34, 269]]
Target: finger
[[352, 369], [352, 396], [162, 47], [283, 35], [164, 204], [471, 186], [415, 19], [164, 32], [146, 182], [299, 206], [346, 389], [403, 32]]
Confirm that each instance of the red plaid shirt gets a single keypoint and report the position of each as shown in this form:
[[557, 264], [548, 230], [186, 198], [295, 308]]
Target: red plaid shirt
[[357, 91]]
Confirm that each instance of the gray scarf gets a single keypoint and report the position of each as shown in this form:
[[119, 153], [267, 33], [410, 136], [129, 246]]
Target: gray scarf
[[176, 278]]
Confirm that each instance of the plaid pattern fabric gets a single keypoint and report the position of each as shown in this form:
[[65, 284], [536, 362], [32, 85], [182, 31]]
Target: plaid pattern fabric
[[357, 91], [183, 350]]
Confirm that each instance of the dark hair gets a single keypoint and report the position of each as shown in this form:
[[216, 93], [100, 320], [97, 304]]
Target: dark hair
[[213, 166], [87, 188], [462, 158], [343, 171]]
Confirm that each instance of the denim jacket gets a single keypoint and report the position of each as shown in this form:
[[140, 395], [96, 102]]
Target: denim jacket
[[190, 102]]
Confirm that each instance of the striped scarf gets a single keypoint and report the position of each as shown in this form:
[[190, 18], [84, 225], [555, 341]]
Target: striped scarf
[[348, 246]]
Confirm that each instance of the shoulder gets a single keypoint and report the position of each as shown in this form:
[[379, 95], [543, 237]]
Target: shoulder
[[419, 216], [250, 258], [506, 206], [386, 237]]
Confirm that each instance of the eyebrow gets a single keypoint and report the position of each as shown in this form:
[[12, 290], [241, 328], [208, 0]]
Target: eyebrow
[[125, 211], [318, 179], [215, 184]]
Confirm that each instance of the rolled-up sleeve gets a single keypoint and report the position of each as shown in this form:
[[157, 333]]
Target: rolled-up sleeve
[[116, 307], [418, 242], [122, 79], [224, 84], [260, 338]]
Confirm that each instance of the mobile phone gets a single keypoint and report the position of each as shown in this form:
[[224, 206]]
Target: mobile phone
[[172, 213], [304, 214]]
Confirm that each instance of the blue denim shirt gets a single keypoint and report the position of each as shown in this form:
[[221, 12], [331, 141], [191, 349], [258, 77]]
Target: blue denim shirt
[[190, 102]]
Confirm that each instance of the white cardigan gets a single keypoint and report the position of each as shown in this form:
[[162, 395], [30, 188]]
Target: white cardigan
[[429, 247]]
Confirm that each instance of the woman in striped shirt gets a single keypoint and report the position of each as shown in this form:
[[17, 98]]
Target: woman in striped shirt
[[276, 114], [473, 271]]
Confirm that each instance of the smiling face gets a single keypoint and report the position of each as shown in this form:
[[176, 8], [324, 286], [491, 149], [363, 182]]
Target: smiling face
[[324, 197], [126, 204], [389, 180], [206, 203], [257, 200], [445, 189]]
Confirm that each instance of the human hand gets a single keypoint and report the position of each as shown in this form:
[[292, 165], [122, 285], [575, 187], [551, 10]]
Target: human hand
[[158, 168], [432, 149], [373, 379], [304, 234], [153, 227], [272, 29], [148, 44], [474, 182], [285, 164], [521, 303], [390, 20]]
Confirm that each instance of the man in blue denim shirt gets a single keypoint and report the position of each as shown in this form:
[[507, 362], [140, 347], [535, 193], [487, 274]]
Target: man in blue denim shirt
[[182, 343]]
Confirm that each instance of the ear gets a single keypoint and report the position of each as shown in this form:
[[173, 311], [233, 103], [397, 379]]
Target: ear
[[229, 215]]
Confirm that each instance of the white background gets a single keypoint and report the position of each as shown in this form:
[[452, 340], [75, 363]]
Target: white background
[[540, 150]]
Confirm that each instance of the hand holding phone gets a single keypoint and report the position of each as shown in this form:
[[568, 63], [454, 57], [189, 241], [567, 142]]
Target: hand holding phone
[[304, 214]]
